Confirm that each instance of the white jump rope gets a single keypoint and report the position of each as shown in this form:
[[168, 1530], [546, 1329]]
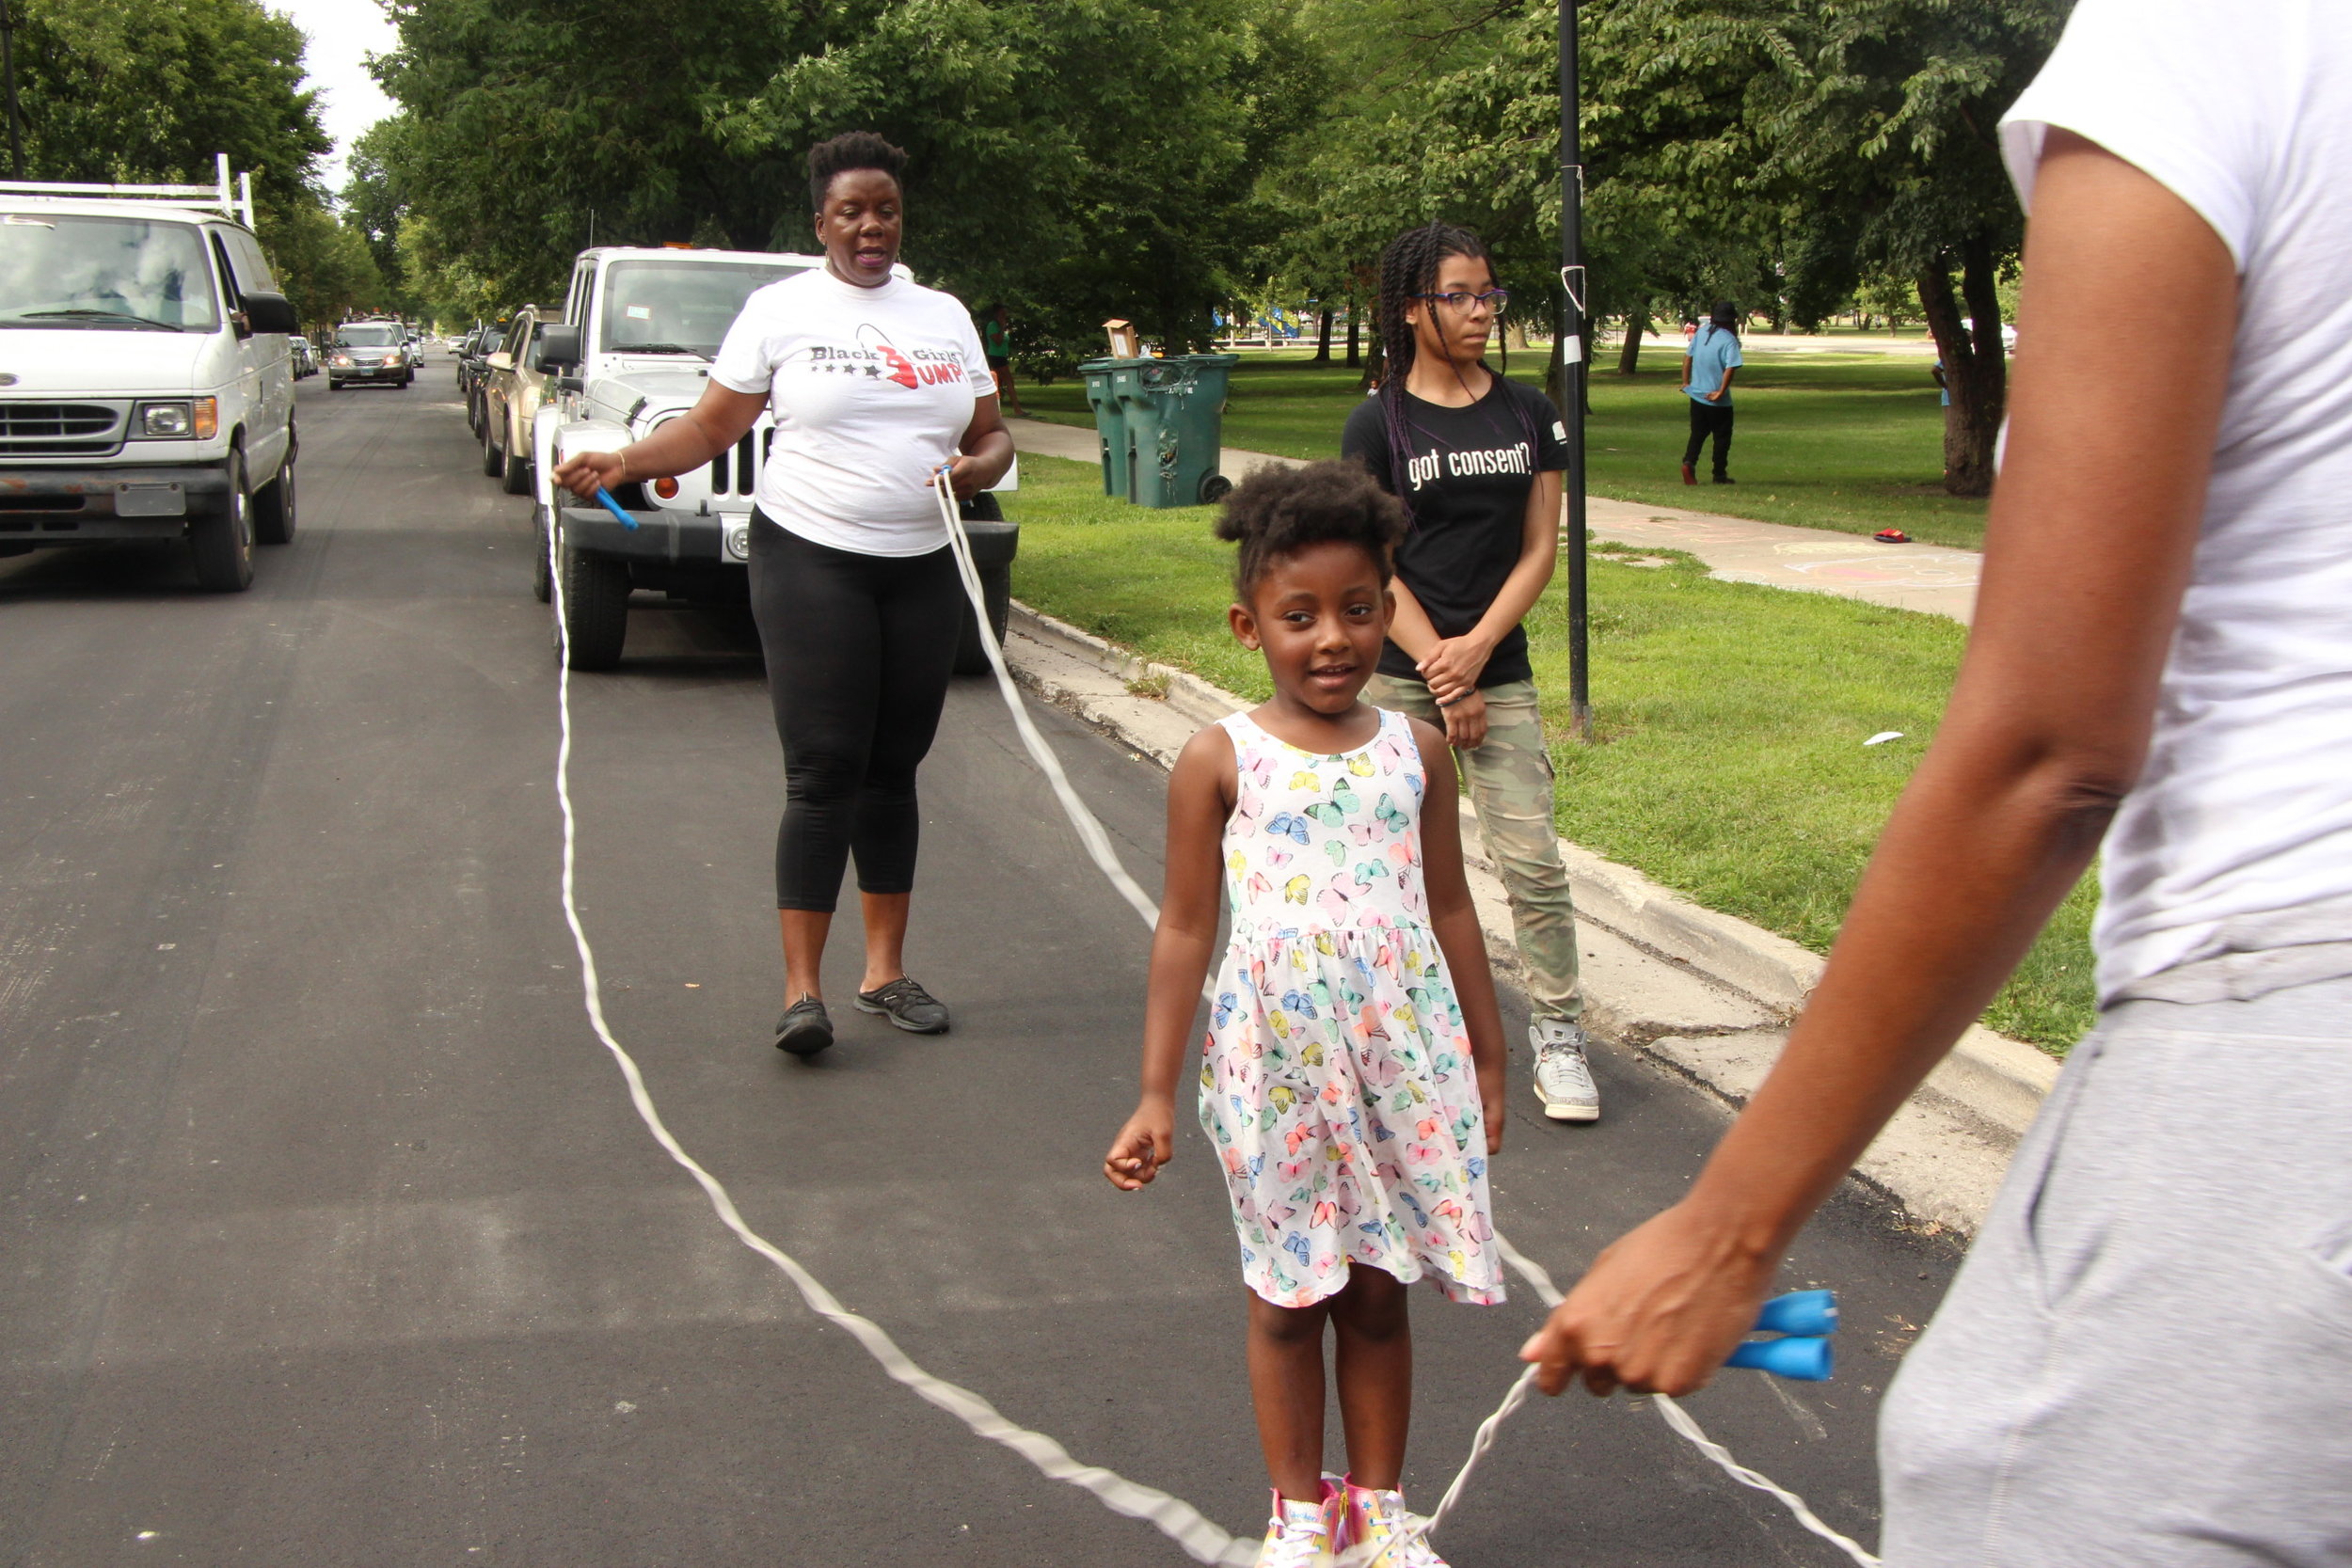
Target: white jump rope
[[1200, 1538]]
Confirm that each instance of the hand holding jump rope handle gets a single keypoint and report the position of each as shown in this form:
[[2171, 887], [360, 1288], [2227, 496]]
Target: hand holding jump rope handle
[[1804, 1318], [604, 498]]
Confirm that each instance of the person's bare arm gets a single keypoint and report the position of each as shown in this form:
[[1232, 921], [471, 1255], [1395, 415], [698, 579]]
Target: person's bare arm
[[1199, 797], [720, 417], [1685, 375], [987, 448], [2088, 552], [1454, 919], [1722, 388]]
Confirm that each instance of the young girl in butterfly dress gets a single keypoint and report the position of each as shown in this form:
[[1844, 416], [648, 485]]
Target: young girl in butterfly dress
[[1351, 1080]]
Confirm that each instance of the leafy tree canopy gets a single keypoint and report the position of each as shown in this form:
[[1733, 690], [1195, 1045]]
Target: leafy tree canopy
[[1079, 158]]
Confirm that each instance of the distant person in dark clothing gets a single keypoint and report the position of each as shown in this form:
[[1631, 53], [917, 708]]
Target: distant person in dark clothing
[[996, 342], [1707, 372]]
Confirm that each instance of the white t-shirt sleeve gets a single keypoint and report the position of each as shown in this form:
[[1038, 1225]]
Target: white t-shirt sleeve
[[745, 362], [2190, 93]]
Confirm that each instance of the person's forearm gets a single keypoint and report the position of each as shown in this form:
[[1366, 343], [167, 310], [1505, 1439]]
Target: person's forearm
[[1985, 843], [991, 457], [1179, 963], [678, 446], [1410, 628], [1464, 946]]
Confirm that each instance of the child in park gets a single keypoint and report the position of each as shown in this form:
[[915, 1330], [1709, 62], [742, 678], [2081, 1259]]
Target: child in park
[[1352, 1075]]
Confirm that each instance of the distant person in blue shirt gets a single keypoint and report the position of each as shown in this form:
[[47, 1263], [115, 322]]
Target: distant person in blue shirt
[[1707, 372]]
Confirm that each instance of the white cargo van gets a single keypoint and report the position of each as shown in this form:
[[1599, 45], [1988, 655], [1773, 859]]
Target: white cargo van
[[146, 386]]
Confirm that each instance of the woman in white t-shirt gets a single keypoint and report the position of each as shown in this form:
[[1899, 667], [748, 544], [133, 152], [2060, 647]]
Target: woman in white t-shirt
[[2147, 1360], [876, 383]]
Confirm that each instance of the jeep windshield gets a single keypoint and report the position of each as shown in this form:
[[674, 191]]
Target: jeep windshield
[[366, 335], [103, 274], [681, 306]]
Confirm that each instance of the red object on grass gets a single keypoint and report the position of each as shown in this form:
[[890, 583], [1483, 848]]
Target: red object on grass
[[1891, 536]]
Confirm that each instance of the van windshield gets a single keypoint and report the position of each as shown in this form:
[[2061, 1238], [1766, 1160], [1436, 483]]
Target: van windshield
[[370, 335], [681, 306], [126, 274]]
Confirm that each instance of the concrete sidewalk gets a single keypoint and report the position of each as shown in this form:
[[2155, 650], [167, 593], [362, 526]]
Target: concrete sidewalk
[[1932, 577]]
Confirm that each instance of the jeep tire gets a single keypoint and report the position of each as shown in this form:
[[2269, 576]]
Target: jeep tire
[[221, 541], [596, 609]]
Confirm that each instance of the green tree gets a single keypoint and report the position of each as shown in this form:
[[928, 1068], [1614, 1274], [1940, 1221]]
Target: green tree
[[116, 94], [1878, 118], [1076, 158]]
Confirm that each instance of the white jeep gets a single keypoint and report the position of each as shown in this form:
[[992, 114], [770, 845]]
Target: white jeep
[[145, 384], [639, 330]]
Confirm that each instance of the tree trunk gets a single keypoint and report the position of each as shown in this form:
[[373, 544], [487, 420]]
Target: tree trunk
[[1323, 339], [1355, 336], [1375, 365], [1975, 366], [1629, 353]]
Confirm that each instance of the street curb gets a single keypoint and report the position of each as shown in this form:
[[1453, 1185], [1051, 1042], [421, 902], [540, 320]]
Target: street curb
[[1992, 1081]]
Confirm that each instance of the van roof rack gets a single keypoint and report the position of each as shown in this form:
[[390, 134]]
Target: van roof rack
[[235, 202]]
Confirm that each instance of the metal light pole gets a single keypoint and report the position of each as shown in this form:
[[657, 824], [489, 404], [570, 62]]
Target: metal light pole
[[8, 68], [1572, 368]]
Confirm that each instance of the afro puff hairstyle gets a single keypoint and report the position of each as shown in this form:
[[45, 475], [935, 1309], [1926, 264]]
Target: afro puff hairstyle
[[851, 149], [1277, 512]]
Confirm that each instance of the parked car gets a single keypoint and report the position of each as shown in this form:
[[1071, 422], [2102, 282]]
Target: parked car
[[149, 388], [631, 350], [474, 350], [514, 385], [373, 352], [306, 358]]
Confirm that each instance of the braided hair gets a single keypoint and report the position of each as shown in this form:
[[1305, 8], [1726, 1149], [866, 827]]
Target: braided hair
[[1408, 268]]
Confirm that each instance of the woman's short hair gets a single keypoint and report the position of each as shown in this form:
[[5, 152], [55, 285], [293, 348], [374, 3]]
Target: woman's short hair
[[851, 149]]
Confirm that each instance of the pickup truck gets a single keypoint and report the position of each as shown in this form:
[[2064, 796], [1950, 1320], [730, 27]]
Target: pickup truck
[[633, 349], [148, 391]]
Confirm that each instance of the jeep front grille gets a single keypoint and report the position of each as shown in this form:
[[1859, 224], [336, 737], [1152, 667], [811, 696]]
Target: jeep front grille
[[740, 476], [59, 428]]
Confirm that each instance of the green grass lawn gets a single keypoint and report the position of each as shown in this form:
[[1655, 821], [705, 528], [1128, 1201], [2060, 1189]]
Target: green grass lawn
[[1847, 441], [1731, 764]]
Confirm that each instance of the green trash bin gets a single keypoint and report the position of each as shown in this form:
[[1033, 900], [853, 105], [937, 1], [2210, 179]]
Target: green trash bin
[[1175, 417], [1110, 419]]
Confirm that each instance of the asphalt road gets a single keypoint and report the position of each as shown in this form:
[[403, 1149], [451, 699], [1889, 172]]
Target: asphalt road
[[331, 1236]]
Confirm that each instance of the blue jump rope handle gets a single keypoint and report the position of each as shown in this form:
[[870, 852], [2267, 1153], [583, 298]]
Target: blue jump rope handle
[[1800, 1312], [604, 498], [1807, 1319], [1801, 1357]]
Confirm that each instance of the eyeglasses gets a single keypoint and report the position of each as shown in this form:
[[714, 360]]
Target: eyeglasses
[[1493, 299]]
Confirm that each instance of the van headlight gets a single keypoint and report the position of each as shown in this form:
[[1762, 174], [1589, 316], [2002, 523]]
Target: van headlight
[[181, 419]]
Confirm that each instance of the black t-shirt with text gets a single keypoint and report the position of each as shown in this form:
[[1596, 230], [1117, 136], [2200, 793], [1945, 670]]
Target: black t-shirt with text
[[1466, 483]]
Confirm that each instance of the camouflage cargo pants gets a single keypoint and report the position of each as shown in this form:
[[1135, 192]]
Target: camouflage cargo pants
[[1510, 782]]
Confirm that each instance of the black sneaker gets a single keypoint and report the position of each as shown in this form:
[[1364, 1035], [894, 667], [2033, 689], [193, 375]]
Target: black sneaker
[[905, 1004], [805, 1028]]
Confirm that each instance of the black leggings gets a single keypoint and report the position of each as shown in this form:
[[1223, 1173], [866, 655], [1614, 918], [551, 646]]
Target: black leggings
[[859, 649], [1709, 419]]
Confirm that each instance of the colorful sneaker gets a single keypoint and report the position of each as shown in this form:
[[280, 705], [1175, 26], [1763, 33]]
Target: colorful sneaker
[[1564, 1080], [1380, 1520], [1304, 1535]]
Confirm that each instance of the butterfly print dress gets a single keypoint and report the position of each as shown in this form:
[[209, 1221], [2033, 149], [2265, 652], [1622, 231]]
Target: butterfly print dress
[[1336, 1078]]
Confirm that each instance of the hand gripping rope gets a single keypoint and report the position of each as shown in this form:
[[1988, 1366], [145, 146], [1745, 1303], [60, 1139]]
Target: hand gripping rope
[[1200, 1538]]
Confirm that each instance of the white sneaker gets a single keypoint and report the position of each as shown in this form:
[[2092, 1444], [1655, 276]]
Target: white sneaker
[[1303, 1535], [1564, 1081]]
